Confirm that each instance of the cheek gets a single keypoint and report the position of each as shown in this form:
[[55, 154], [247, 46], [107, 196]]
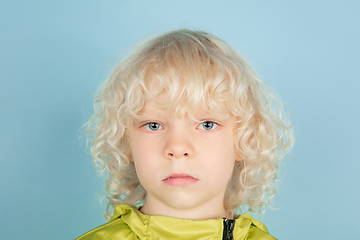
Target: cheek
[[137, 146], [143, 169], [145, 159], [144, 150], [219, 159], [227, 155]]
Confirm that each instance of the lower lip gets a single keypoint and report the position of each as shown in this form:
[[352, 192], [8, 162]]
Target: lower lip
[[180, 181]]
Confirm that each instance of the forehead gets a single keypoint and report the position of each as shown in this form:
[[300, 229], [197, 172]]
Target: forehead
[[182, 80], [160, 106], [184, 76], [185, 92]]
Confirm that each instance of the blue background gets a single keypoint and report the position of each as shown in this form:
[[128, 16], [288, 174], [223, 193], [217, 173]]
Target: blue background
[[54, 54]]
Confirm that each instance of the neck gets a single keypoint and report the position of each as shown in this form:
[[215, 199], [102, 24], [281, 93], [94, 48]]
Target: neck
[[195, 213]]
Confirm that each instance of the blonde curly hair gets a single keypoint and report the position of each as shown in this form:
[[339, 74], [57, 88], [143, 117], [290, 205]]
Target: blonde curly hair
[[191, 67]]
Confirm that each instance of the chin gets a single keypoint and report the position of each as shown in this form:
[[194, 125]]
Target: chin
[[183, 203]]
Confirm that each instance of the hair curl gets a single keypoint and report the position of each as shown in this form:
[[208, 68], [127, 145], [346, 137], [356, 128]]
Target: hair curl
[[192, 67]]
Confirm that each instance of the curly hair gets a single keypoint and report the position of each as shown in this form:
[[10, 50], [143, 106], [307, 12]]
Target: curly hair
[[191, 67]]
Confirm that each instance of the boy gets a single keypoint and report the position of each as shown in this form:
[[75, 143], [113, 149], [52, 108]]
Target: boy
[[188, 135]]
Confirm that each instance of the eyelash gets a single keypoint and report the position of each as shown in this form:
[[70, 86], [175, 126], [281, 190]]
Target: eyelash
[[146, 125], [215, 125]]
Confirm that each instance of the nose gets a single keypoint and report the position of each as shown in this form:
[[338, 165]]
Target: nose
[[178, 145]]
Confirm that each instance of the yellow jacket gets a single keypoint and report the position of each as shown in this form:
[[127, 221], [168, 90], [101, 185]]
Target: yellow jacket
[[129, 223]]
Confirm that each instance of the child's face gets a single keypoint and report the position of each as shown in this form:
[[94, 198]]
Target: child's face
[[162, 145]]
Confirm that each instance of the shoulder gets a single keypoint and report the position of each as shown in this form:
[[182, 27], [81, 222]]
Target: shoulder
[[246, 227], [115, 229]]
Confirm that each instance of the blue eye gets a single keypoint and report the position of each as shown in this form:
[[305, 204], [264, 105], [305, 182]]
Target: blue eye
[[152, 126], [208, 125]]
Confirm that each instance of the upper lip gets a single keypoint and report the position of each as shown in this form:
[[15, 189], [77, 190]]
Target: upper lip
[[174, 175]]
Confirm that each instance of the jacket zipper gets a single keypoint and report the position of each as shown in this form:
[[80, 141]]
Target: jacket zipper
[[228, 229]]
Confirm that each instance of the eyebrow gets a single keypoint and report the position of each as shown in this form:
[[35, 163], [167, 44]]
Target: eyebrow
[[198, 115], [151, 113]]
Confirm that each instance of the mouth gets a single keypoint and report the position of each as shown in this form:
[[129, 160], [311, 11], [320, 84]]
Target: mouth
[[180, 179]]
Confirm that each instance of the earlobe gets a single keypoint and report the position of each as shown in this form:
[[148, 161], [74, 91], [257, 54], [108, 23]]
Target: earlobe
[[239, 157]]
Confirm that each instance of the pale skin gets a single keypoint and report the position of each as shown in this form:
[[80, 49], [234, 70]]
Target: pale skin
[[162, 145]]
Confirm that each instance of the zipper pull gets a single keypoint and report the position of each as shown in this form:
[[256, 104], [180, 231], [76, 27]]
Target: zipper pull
[[228, 229]]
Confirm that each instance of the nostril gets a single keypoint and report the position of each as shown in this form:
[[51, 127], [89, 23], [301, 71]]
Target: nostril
[[185, 154], [170, 154]]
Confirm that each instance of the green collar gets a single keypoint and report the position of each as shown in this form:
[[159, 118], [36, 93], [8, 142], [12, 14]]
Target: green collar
[[164, 227]]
